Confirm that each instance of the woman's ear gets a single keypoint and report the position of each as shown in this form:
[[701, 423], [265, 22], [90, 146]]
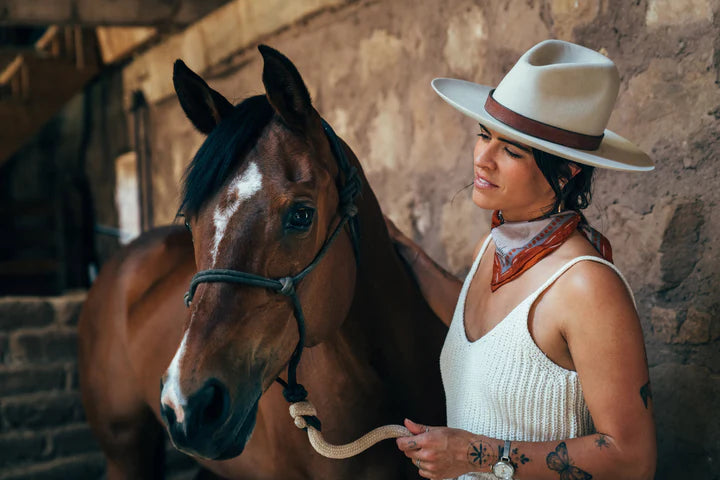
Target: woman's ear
[[203, 106], [574, 169]]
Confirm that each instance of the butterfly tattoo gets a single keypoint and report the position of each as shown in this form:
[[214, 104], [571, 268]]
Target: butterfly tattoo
[[559, 461]]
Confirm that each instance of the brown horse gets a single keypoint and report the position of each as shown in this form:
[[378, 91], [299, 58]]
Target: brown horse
[[262, 195]]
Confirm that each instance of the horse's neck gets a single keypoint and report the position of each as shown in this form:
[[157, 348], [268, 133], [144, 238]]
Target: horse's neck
[[391, 319], [383, 280]]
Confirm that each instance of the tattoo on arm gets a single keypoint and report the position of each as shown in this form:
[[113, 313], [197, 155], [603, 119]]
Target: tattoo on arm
[[517, 458], [645, 393], [481, 453], [560, 462], [601, 441], [484, 454]]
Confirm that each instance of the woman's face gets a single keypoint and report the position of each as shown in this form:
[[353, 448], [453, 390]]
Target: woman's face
[[508, 179]]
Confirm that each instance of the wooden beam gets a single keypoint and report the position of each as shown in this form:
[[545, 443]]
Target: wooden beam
[[117, 43], [45, 84], [11, 70], [44, 43], [105, 12]]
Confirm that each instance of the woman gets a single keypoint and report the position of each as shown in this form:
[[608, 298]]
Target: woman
[[544, 364]]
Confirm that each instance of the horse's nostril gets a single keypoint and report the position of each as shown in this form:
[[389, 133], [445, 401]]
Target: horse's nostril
[[215, 408], [211, 404], [169, 415], [199, 419]]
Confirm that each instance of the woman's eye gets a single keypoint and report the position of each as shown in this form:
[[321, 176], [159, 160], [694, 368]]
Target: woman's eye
[[301, 218], [483, 135], [513, 154]]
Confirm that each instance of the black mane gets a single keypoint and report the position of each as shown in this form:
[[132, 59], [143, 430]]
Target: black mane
[[216, 157]]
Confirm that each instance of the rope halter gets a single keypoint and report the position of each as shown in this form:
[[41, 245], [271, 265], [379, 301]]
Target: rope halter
[[292, 390]]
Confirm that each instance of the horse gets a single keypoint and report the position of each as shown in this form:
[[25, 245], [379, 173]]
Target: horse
[[262, 195]]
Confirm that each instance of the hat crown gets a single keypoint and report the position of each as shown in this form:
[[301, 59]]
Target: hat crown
[[562, 84]]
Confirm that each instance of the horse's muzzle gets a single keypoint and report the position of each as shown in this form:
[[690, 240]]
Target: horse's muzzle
[[209, 427]]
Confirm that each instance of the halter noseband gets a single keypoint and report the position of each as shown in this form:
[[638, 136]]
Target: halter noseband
[[292, 390]]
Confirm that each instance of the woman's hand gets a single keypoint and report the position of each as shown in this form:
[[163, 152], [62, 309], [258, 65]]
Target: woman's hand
[[440, 288], [438, 452]]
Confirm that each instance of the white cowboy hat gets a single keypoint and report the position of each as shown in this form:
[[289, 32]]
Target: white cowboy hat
[[557, 98]]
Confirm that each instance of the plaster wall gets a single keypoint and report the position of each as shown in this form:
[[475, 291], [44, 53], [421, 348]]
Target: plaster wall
[[368, 66]]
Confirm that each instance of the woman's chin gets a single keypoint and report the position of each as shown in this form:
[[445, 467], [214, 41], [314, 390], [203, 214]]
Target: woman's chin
[[483, 200]]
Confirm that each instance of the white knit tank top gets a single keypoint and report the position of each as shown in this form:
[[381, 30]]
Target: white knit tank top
[[502, 385]]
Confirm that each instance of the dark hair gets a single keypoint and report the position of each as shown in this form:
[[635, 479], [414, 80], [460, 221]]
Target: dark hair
[[221, 151], [576, 194]]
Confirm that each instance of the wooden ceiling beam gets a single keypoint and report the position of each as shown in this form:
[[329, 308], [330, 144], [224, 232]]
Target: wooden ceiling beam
[[162, 13], [36, 84]]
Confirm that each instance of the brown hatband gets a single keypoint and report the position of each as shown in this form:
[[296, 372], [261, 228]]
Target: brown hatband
[[539, 129]]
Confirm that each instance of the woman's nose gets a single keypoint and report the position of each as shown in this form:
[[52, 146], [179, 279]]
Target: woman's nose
[[484, 154]]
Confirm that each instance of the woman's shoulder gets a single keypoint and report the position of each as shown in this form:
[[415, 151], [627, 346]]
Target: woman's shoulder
[[589, 284]]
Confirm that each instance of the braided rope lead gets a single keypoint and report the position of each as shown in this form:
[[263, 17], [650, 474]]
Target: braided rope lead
[[300, 410]]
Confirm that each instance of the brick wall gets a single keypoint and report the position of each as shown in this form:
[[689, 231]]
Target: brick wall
[[43, 433], [42, 429]]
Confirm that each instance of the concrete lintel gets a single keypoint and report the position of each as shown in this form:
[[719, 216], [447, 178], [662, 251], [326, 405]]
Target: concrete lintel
[[212, 39], [105, 12]]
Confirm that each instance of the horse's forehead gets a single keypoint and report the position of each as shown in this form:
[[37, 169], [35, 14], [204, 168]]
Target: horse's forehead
[[242, 188], [245, 185]]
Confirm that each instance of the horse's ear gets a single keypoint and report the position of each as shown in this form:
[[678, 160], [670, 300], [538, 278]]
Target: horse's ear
[[285, 88], [204, 106]]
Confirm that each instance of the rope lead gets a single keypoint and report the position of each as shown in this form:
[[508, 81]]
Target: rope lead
[[303, 413]]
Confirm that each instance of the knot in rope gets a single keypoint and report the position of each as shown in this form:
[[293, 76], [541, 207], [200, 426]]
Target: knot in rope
[[304, 415], [349, 210], [295, 393], [187, 299], [288, 286]]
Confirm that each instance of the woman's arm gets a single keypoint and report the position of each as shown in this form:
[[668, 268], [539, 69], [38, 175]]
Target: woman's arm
[[605, 340], [439, 287], [447, 453]]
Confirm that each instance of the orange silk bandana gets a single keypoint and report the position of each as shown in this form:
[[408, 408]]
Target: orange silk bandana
[[520, 245]]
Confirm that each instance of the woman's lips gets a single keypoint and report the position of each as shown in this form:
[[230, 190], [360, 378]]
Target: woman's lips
[[482, 184]]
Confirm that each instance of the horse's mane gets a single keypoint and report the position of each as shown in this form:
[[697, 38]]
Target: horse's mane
[[216, 157]]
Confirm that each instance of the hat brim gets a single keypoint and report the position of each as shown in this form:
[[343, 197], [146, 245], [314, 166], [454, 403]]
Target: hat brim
[[615, 152]]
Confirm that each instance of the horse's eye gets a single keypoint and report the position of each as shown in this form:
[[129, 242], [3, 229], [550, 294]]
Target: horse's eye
[[187, 225], [301, 218]]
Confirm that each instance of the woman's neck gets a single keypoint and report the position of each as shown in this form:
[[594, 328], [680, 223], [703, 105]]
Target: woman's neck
[[525, 215]]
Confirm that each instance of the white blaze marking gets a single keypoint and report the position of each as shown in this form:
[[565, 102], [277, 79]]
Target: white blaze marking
[[242, 188], [172, 395]]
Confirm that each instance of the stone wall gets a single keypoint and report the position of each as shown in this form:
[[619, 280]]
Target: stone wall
[[43, 432], [368, 65]]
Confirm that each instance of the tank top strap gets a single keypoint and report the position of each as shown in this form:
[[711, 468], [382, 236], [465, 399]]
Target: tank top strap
[[468, 279], [480, 254], [572, 262]]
